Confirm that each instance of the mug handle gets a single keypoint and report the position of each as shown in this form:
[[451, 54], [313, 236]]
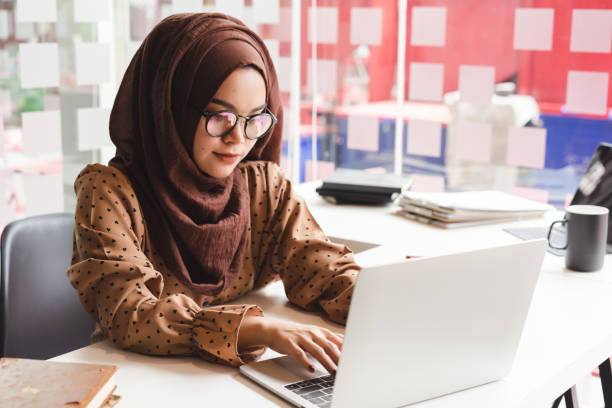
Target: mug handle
[[563, 221]]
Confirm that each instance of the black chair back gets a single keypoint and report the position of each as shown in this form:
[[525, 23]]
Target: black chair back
[[40, 314]]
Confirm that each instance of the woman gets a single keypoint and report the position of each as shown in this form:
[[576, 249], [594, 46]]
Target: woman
[[193, 211]]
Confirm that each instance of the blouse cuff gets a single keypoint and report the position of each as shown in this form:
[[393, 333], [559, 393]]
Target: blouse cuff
[[215, 333]]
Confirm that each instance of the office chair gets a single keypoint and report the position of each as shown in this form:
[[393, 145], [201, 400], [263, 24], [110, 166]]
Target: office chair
[[40, 314]]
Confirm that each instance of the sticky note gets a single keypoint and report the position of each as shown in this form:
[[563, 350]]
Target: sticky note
[[326, 25], [87, 11], [533, 29], [534, 194], [324, 169], [4, 25], [52, 101], [428, 26], [476, 84], [1, 144], [234, 8], [42, 133], [44, 193], [186, 6], [6, 107], [473, 141], [427, 183], [591, 30], [274, 50], [327, 71], [587, 92], [266, 11], [366, 25], [284, 25], [32, 57], [568, 199], [362, 133], [24, 31], [526, 147], [426, 81], [92, 63], [92, 128], [424, 138], [36, 11], [284, 74]]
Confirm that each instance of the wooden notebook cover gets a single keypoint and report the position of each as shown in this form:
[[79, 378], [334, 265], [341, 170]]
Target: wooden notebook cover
[[40, 383]]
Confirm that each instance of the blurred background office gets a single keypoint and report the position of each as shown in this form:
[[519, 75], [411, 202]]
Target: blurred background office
[[471, 94]]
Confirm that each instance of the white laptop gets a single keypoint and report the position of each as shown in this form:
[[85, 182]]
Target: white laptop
[[419, 329]]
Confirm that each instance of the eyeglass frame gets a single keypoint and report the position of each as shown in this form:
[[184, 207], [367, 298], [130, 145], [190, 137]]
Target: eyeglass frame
[[208, 115]]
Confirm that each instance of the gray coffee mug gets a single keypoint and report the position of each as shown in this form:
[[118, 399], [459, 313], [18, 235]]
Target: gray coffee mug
[[587, 235]]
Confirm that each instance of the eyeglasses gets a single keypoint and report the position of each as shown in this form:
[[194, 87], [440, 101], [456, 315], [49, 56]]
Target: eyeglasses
[[221, 123]]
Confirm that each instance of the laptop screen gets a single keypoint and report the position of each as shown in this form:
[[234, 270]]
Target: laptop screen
[[595, 187]]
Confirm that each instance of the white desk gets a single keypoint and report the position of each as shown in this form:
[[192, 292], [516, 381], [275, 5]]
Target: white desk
[[566, 335]]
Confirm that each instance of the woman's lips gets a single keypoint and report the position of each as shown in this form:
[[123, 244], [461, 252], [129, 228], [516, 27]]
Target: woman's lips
[[227, 158]]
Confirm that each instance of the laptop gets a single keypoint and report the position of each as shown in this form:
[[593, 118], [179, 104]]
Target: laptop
[[419, 329], [595, 188]]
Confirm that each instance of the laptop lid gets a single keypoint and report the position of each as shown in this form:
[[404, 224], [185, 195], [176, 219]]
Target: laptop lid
[[595, 187], [431, 326]]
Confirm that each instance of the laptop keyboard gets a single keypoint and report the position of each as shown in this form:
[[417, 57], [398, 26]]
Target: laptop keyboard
[[317, 391]]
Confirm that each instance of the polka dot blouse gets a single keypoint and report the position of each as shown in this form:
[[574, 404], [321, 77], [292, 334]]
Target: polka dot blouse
[[140, 305]]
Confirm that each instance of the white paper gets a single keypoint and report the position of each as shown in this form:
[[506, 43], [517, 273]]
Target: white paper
[[266, 11], [284, 74], [366, 25], [424, 138], [32, 58], [327, 71], [92, 128], [274, 50], [426, 82], [533, 29], [36, 11], [428, 26], [44, 193], [476, 83], [186, 6], [326, 25], [92, 63], [587, 92], [42, 133], [4, 25], [591, 30], [234, 8], [88, 11]]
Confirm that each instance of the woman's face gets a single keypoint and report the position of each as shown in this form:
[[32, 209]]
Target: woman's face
[[243, 92]]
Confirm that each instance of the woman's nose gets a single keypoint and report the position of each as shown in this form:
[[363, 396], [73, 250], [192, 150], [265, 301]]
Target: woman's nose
[[237, 134]]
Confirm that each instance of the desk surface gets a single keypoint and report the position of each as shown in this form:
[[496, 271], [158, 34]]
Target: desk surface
[[566, 334]]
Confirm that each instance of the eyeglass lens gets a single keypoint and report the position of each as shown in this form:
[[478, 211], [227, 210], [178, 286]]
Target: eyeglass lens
[[220, 123]]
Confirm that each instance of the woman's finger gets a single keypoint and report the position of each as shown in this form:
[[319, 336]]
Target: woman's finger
[[329, 346], [317, 352], [336, 338], [297, 352]]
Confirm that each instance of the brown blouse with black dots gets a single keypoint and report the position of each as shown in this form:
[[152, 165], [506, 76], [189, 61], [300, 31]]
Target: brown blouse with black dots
[[140, 305]]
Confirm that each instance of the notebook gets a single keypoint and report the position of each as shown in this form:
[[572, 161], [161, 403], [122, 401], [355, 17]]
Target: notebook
[[40, 383], [418, 329], [361, 187]]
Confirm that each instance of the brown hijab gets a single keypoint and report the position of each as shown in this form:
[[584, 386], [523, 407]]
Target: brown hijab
[[198, 223]]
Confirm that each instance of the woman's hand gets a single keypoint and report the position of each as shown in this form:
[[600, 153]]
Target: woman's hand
[[293, 339]]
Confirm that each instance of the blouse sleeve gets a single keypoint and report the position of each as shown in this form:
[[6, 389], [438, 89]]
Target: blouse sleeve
[[316, 272], [125, 294]]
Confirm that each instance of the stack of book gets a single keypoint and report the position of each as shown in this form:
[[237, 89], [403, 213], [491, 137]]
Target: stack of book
[[39, 383], [462, 209]]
